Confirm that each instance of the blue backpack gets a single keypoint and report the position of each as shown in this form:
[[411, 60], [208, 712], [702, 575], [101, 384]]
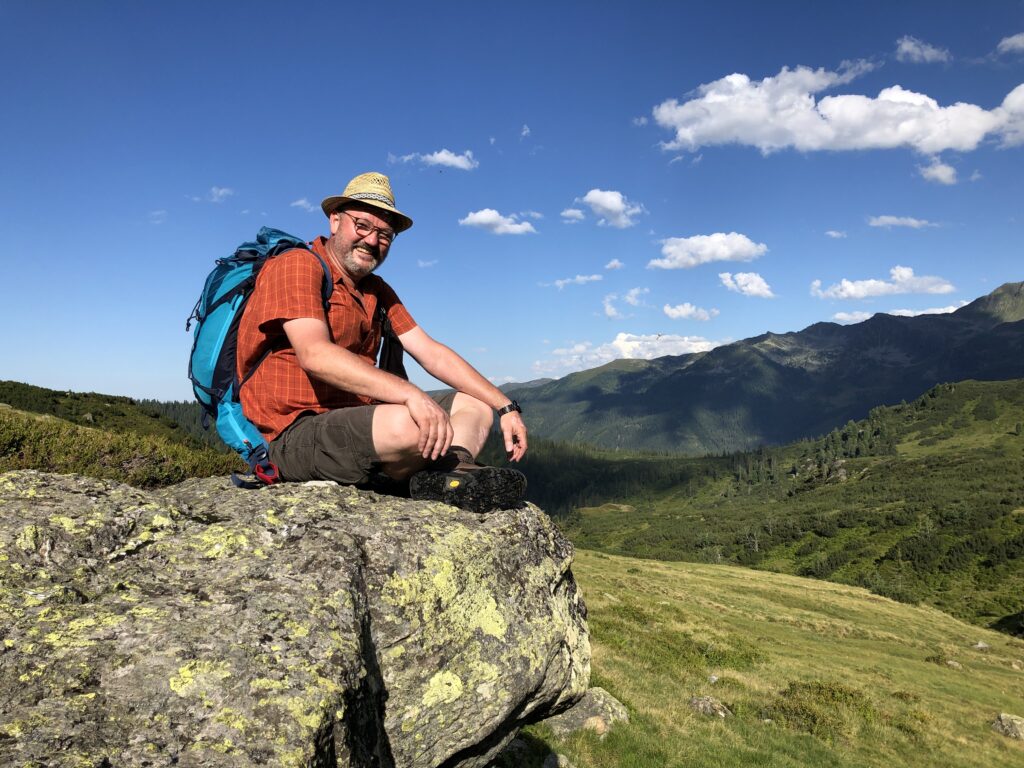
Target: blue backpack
[[212, 366]]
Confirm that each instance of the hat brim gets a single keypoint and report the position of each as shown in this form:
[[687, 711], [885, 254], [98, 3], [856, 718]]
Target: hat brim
[[400, 221]]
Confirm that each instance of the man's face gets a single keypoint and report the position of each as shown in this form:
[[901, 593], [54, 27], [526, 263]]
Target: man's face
[[359, 254]]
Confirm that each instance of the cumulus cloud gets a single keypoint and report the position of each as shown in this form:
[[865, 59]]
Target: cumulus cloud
[[578, 280], [524, 131], [686, 252], [583, 355], [747, 283], [531, 215], [938, 172], [572, 215], [423, 264], [443, 157], [784, 111], [688, 311], [919, 52], [849, 318], [835, 234], [902, 280], [639, 121], [930, 311], [612, 208], [899, 221], [1012, 44], [304, 204], [495, 223], [610, 311], [614, 264], [633, 295]]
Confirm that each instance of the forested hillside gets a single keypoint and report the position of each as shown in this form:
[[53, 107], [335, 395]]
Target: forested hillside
[[921, 501]]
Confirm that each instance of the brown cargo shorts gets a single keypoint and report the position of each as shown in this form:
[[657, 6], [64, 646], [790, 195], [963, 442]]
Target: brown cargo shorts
[[336, 445]]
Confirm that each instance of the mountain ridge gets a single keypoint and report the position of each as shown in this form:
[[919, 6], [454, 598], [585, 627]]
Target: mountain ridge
[[774, 388]]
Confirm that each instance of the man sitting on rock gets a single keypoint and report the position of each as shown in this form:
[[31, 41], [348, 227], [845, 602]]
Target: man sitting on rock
[[326, 410]]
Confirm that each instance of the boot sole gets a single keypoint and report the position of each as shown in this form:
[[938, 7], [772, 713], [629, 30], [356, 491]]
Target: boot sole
[[481, 490]]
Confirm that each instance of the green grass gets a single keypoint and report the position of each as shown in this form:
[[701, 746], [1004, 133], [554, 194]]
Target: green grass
[[816, 673], [49, 444]]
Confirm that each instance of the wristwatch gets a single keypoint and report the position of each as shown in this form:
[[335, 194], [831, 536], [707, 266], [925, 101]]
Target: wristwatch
[[513, 406]]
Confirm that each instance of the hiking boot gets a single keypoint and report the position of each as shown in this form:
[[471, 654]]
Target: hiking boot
[[470, 486]]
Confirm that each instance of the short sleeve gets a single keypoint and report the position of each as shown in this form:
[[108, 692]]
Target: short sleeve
[[288, 287], [401, 320]]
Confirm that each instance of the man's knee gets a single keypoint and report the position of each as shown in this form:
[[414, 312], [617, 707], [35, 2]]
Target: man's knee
[[470, 406], [395, 434]]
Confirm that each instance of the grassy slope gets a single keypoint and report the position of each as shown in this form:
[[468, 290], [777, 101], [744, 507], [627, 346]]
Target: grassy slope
[[942, 520], [49, 444], [847, 678]]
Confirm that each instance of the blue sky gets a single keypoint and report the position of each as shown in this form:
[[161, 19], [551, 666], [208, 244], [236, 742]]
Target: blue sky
[[588, 180]]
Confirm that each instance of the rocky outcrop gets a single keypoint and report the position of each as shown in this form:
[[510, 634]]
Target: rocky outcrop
[[1010, 726], [597, 711], [301, 624]]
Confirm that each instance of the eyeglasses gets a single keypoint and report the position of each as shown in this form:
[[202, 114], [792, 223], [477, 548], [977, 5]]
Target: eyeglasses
[[365, 229]]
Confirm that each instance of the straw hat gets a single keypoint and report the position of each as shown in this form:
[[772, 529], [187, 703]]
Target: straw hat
[[372, 189]]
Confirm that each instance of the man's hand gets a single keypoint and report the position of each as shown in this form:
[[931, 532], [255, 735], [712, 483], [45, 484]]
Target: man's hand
[[434, 424], [514, 431]]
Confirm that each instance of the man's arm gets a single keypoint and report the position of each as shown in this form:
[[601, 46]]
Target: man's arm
[[446, 365], [326, 361]]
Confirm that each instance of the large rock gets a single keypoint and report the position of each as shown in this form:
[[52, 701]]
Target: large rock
[[296, 625]]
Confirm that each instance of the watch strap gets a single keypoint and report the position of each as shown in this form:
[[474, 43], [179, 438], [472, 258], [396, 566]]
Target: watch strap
[[513, 406]]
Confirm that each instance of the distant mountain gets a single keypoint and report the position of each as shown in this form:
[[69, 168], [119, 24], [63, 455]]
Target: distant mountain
[[775, 388]]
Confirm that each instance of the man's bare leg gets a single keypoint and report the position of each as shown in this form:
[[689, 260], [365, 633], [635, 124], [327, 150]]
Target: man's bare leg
[[396, 436]]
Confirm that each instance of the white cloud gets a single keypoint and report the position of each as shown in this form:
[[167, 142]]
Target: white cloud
[[421, 263], [157, 217], [531, 215], [976, 176], [688, 311], [304, 204], [835, 234], [783, 112], [215, 195], [614, 264], [495, 223], [578, 280], [1012, 44], [686, 252], [938, 171], [443, 157], [849, 318], [633, 295], [572, 215], [899, 221], [630, 346], [610, 310], [931, 311], [612, 208], [919, 52], [492, 140], [902, 280], [525, 131], [747, 283], [639, 121]]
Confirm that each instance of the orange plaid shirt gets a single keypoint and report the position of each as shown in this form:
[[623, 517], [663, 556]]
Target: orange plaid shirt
[[288, 287]]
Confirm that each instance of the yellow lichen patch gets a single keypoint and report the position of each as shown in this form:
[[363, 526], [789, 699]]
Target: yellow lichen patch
[[219, 541], [443, 688], [69, 525], [146, 612], [271, 517], [160, 521], [196, 677], [297, 629], [266, 684], [231, 718], [305, 715], [75, 634], [489, 620], [27, 539]]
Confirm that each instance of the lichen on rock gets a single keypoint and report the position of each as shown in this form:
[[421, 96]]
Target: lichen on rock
[[300, 624]]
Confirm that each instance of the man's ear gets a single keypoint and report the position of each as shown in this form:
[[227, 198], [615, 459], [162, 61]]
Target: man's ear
[[335, 221]]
